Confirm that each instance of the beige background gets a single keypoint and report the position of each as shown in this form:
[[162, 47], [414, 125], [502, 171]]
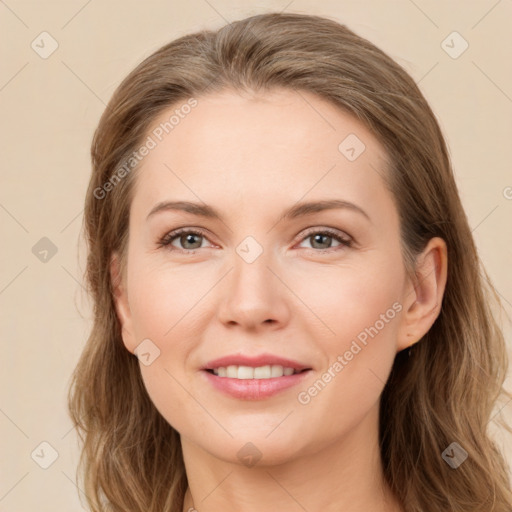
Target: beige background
[[50, 107]]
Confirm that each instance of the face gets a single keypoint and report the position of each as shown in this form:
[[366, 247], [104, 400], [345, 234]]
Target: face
[[324, 289]]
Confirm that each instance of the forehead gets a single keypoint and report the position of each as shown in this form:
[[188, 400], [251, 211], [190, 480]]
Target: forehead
[[279, 146]]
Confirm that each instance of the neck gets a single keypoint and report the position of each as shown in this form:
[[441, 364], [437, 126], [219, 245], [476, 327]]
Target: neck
[[344, 474]]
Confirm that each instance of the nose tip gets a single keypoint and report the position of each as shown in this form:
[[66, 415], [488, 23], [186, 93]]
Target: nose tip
[[253, 296]]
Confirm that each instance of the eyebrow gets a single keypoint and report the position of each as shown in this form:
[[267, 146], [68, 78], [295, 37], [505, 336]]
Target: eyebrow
[[298, 210]]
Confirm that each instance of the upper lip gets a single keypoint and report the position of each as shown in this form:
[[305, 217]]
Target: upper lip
[[254, 361]]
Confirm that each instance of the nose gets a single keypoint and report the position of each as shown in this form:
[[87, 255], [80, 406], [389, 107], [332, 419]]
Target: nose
[[254, 296]]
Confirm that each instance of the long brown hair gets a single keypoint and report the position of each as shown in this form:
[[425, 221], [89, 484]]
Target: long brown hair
[[443, 392]]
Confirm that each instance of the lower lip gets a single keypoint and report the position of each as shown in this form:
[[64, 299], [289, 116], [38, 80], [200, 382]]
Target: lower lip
[[254, 389]]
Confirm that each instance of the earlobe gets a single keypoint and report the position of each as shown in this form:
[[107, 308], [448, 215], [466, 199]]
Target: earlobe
[[121, 302], [423, 300]]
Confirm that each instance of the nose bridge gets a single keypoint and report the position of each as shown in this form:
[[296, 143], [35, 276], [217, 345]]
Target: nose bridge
[[251, 275], [254, 295]]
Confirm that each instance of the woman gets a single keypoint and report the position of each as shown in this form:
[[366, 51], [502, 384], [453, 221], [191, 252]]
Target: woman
[[326, 342]]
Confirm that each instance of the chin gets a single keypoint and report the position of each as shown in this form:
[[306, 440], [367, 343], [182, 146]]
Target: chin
[[256, 447]]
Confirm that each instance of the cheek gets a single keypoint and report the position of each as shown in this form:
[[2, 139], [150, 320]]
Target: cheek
[[167, 390], [164, 303], [358, 358], [356, 322], [341, 302], [164, 299]]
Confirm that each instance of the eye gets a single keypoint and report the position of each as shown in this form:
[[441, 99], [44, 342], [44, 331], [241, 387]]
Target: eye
[[188, 238], [322, 239]]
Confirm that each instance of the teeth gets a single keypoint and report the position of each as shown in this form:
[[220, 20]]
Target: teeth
[[248, 372]]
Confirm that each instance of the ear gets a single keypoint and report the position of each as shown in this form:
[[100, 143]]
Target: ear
[[423, 297], [121, 303]]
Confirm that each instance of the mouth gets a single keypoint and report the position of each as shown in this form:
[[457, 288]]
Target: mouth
[[264, 372], [254, 383], [246, 367], [254, 377]]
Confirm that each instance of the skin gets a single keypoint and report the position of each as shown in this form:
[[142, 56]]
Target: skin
[[251, 156]]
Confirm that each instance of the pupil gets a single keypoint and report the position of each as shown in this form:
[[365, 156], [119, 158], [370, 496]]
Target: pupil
[[190, 239], [319, 237]]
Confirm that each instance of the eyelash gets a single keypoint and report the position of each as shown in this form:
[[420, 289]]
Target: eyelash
[[165, 241]]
